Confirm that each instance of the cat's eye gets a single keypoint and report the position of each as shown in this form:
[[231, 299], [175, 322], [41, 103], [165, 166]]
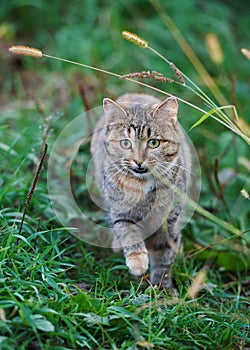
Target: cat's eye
[[153, 143], [125, 144]]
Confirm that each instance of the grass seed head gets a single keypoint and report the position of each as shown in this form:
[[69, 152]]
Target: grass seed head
[[245, 194], [134, 38], [246, 53], [25, 51], [178, 73], [214, 48]]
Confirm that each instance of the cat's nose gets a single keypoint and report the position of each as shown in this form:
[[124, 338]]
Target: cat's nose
[[138, 166]]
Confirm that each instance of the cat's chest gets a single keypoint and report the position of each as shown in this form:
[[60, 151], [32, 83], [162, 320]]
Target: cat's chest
[[129, 189], [149, 187]]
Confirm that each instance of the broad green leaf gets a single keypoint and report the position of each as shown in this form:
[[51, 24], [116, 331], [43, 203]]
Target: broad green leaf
[[92, 318], [43, 325]]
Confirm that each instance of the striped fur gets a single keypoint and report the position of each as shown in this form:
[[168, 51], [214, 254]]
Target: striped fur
[[142, 164]]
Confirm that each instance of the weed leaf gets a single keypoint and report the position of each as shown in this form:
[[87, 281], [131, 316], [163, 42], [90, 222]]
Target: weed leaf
[[42, 324], [203, 118]]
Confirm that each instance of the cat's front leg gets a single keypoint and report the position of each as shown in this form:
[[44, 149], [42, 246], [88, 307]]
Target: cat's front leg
[[129, 237], [137, 262]]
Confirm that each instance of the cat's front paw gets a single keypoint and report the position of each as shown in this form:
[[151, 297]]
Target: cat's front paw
[[137, 263]]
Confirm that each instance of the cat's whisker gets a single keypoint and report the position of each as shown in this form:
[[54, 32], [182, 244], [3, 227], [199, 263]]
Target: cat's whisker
[[173, 165], [122, 171], [167, 177], [114, 165], [168, 171], [178, 166], [163, 177], [118, 168], [192, 173], [123, 174], [114, 175]]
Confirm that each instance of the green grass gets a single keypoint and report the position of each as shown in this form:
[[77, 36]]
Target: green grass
[[57, 292]]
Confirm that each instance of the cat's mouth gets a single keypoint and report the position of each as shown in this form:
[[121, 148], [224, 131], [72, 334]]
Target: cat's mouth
[[139, 170]]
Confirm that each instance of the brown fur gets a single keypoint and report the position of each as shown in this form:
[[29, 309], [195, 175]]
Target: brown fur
[[141, 158]]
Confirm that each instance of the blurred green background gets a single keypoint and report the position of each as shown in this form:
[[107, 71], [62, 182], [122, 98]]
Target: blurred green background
[[90, 32]]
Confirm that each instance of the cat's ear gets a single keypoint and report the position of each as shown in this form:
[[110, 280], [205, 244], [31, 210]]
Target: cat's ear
[[167, 110], [113, 111]]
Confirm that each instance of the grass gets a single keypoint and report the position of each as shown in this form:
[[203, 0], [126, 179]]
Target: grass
[[49, 300], [57, 292]]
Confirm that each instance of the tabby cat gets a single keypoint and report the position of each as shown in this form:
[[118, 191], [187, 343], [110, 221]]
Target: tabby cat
[[142, 164]]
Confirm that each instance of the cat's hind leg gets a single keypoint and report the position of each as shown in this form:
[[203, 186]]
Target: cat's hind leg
[[162, 252], [161, 267]]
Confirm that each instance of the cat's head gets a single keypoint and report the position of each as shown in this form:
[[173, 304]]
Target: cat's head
[[141, 138]]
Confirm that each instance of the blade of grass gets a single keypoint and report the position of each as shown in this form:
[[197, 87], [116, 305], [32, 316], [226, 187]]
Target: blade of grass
[[208, 114]]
